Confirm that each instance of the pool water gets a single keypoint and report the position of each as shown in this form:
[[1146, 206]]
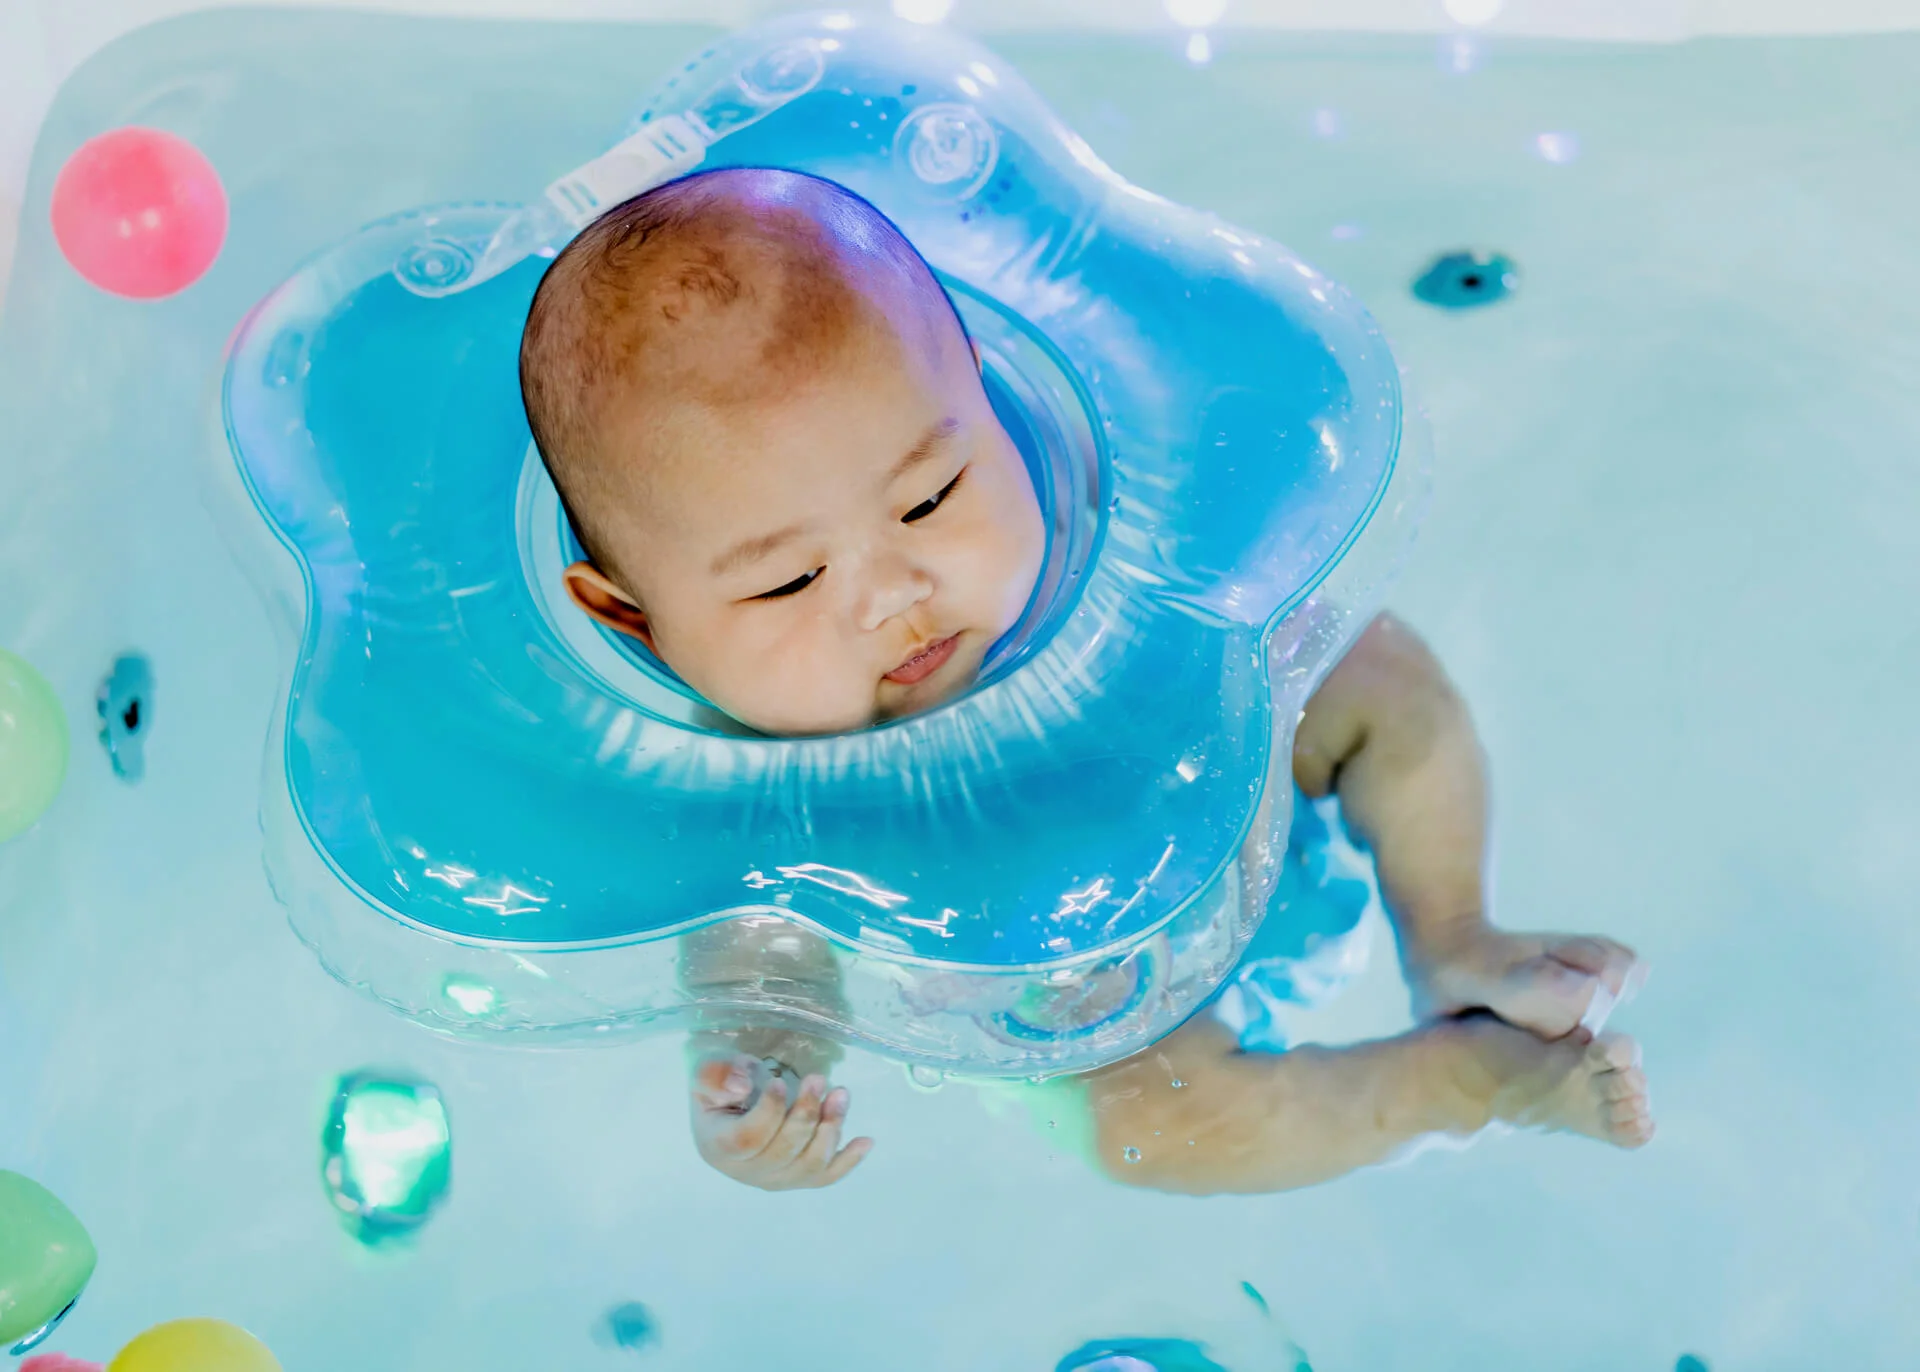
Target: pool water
[[1670, 560]]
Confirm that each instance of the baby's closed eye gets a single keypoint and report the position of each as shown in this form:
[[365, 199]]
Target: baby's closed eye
[[794, 587], [927, 507]]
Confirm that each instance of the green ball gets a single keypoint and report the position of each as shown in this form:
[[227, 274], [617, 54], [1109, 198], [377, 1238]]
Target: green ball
[[45, 1258], [33, 745]]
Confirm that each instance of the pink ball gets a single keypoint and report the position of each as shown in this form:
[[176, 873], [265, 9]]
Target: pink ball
[[139, 212], [58, 1362]]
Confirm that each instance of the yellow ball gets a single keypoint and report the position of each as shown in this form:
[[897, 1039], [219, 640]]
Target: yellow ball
[[33, 745], [195, 1346]]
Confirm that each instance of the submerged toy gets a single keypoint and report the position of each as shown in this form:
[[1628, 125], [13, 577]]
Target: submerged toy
[[495, 817], [46, 1260], [33, 745], [1467, 280], [386, 1154], [124, 703], [139, 212]]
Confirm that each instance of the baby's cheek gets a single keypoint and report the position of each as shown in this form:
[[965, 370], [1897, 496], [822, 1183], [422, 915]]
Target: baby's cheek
[[800, 679], [1012, 565]]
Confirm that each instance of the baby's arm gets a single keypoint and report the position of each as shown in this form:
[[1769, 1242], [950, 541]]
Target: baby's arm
[[1391, 736], [762, 1112]]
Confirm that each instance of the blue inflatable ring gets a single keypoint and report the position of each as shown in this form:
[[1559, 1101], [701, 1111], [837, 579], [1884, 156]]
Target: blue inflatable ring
[[494, 817]]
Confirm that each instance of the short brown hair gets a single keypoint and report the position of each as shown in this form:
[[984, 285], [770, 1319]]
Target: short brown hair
[[605, 311]]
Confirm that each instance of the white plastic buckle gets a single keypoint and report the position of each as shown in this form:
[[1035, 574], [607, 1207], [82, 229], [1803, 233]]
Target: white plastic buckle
[[663, 149]]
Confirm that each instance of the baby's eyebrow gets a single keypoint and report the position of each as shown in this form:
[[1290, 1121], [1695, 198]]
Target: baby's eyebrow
[[753, 549], [928, 446]]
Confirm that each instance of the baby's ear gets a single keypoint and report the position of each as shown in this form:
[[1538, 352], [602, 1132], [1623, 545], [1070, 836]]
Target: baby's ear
[[590, 589]]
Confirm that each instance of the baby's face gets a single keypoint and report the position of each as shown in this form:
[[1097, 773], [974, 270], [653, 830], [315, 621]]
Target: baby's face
[[831, 557]]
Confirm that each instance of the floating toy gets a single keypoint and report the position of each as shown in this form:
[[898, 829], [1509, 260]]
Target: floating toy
[[496, 817], [1467, 280], [33, 745], [46, 1260], [195, 1346], [139, 212], [58, 1362], [629, 1325], [386, 1154]]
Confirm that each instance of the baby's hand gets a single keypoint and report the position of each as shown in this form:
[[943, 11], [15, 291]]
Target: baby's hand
[[758, 1139]]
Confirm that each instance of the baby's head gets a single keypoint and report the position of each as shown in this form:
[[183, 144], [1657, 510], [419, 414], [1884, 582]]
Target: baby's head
[[769, 430]]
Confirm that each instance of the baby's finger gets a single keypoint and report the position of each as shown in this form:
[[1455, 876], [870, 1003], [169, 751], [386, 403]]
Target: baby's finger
[[847, 1159], [724, 1083], [825, 1143], [749, 1134], [793, 1136]]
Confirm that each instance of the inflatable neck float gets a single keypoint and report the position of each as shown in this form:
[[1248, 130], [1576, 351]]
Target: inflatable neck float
[[494, 816]]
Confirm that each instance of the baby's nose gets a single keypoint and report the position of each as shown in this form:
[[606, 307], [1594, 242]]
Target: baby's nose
[[892, 587]]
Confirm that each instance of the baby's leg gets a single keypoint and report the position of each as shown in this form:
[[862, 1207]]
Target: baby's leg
[[1194, 1114], [1388, 732]]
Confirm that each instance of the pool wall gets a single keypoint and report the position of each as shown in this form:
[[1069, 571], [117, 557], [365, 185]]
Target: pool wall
[[43, 41]]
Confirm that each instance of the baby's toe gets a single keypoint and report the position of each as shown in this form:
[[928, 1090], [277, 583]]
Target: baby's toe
[[1615, 1052], [1630, 1084], [1629, 1124], [1621, 1086]]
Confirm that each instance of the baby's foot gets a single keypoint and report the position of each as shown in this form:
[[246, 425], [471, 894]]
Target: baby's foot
[[1596, 1088], [1549, 983]]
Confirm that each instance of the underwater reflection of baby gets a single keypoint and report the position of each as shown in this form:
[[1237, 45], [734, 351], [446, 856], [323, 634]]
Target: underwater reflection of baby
[[770, 433]]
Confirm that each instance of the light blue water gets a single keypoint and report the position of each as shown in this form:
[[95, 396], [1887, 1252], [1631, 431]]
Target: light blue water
[[1670, 561]]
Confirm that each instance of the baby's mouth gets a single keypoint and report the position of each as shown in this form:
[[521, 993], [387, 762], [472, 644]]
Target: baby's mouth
[[925, 661]]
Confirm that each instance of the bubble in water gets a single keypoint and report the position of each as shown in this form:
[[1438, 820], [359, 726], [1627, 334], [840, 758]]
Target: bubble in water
[[387, 1154], [1176, 1083], [1130, 1153], [925, 1077]]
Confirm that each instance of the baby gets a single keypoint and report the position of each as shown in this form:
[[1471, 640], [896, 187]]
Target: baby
[[769, 429]]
